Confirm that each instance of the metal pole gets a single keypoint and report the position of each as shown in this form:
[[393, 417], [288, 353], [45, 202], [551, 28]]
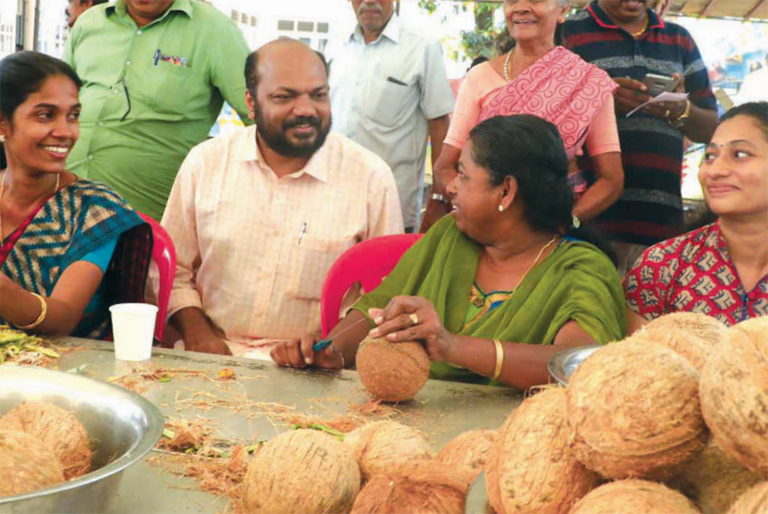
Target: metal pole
[[29, 24]]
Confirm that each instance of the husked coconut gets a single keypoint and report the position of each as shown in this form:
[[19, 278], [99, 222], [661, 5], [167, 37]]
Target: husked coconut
[[381, 445], [468, 453], [492, 466], [734, 393], [690, 334], [754, 501], [634, 412], [26, 464], [303, 471], [392, 372], [535, 471], [57, 428], [419, 487], [714, 480], [634, 497]]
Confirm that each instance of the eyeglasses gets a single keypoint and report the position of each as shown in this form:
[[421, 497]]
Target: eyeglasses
[[127, 98]]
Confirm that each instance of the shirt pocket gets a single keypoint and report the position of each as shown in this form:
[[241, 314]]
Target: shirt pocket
[[172, 89], [386, 100], [312, 259]]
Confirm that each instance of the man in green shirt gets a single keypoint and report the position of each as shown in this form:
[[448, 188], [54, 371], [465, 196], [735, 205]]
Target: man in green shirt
[[155, 73]]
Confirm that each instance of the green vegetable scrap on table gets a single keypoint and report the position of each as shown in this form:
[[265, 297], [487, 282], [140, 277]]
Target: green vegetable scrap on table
[[15, 342]]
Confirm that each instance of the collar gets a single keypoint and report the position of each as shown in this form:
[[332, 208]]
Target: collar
[[602, 19], [391, 31], [184, 6], [247, 150]]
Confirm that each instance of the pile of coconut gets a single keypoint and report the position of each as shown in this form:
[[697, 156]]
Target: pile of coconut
[[671, 420], [41, 445]]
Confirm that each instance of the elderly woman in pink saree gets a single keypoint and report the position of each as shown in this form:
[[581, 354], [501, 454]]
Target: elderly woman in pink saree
[[539, 78]]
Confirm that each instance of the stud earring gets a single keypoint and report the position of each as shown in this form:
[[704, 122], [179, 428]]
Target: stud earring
[[2, 139], [501, 208]]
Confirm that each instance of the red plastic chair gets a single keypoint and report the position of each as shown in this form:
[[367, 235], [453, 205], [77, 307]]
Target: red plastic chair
[[367, 262], [164, 255]]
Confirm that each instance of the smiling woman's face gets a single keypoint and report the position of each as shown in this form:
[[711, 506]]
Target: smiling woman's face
[[734, 173], [534, 20]]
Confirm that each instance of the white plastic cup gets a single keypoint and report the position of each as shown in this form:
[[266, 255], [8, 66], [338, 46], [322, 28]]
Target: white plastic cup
[[133, 325]]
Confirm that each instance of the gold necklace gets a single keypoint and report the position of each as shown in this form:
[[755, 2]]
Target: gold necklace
[[506, 64], [536, 261], [645, 27], [2, 190]]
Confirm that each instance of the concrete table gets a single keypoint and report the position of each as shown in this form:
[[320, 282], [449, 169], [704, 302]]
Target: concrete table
[[442, 410]]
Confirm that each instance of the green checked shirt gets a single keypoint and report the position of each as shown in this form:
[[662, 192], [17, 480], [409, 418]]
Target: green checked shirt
[[150, 94]]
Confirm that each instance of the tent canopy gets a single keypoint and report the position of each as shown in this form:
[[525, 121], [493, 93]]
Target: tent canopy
[[756, 10]]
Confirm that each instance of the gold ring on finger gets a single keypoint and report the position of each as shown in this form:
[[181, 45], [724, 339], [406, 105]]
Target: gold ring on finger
[[666, 114], [414, 319]]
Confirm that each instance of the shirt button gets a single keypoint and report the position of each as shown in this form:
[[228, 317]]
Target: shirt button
[[115, 91], [127, 63], [138, 32], [90, 157], [101, 124]]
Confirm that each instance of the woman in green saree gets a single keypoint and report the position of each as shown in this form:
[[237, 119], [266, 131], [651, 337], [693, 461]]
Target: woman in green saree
[[499, 287]]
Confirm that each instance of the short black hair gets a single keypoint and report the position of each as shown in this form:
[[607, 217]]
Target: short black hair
[[95, 2], [23, 73], [755, 110], [252, 70]]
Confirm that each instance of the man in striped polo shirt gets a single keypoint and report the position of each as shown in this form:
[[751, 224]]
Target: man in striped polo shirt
[[629, 40]]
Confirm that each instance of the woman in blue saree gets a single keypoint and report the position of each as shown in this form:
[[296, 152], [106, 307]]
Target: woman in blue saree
[[71, 247]]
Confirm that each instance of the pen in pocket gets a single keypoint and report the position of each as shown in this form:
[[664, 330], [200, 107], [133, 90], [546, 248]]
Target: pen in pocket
[[395, 81]]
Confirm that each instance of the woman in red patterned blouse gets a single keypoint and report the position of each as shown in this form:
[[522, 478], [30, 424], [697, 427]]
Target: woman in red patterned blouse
[[721, 269]]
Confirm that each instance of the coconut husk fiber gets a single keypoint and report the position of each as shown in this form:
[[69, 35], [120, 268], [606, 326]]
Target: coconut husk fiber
[[302, 471], [419, 487], [634, 497], [26, 464], [754, 501], [535, 469], [381, 445], [714, 480], [57, 428], [634, 412], [468, 452], [734, 393], [689, 334], [392, 372]]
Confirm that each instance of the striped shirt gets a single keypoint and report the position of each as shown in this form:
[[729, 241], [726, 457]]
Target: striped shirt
[[652, 150]]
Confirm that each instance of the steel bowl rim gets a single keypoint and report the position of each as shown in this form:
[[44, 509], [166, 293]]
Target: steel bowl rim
[[155, 426], [553, 366]]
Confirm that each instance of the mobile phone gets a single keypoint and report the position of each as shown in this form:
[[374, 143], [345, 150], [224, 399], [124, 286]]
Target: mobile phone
[[658, 84]]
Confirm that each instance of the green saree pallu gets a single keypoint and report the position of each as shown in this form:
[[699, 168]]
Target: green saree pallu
[[576, 282]]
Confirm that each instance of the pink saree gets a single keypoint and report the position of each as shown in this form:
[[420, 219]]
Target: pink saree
[[561, 88]]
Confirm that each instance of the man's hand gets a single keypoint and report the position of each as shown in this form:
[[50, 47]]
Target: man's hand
[[669, 110], [630, 95], [435, 211], [213, 344]]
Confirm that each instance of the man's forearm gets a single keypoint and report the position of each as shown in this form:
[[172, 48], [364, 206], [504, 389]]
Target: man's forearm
[[193, 325], [438, 130], [700, 124]]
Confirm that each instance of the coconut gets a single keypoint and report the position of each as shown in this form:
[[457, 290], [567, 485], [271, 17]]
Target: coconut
[[689, 334], [535, 469], [392, 372], [468, 453], [26, 464], [714, 480], [57, 428], [426, 487], [634, 497], [381, 445], [304, 471], [634, 411], [754, 501], [734, 393]]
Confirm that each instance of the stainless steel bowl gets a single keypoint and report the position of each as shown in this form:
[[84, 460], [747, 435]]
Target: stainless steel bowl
[[563, 364], [122, 427]]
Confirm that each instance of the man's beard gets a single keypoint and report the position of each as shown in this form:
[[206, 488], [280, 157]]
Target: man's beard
[[278, 142]]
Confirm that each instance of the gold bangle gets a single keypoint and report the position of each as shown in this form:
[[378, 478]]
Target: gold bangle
[[499, 359], [41, 317], [341, 354]]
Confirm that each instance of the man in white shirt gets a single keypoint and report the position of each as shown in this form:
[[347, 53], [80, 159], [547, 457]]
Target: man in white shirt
[[390, 92], [259, 216]]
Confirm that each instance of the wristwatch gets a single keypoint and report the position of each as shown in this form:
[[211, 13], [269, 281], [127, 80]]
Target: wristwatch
[[438, 198], [683, 118]]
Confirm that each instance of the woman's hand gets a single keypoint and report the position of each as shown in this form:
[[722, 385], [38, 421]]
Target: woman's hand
[[411, 318], [298, 353]]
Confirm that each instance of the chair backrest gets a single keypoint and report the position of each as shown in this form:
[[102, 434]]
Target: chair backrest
[[164, 255], [367, 262]]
